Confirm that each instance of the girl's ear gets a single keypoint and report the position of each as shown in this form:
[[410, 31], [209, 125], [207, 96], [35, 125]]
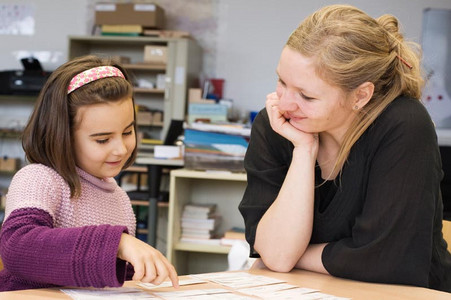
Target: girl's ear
[[362, 95]]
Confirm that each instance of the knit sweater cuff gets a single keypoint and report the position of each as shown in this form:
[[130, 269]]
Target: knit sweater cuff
[[95, 262], [34, 252]]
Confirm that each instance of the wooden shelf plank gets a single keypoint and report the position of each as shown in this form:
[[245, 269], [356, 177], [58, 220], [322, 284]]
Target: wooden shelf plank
[[145, 67], [146, 203]]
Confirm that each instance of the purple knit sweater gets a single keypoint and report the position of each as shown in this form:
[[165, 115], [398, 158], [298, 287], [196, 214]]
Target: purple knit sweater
[[49, 239]]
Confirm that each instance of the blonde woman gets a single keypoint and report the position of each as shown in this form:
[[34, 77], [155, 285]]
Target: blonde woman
[[343, 164]]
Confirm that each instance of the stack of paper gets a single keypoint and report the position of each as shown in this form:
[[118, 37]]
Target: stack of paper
[[199, 223], [216, 147]]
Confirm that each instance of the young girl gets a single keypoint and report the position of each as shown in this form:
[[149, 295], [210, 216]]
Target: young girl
[[67, 222]]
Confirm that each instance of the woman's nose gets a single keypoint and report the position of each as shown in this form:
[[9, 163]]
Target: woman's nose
[[287, 101]]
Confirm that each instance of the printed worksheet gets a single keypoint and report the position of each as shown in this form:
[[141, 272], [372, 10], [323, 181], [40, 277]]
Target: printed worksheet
[[241, 286], [188, 281], [274, 290], [121, 293], [238, 280]]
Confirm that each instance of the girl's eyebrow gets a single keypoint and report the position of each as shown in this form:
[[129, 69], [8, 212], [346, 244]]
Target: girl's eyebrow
[[108, 133]]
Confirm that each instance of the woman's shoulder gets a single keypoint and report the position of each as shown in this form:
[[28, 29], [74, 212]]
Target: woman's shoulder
[[406, 108], [405, 119]]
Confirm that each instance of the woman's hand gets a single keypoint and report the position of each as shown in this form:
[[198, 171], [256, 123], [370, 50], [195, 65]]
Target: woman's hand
[[149, 264], [283, 126]]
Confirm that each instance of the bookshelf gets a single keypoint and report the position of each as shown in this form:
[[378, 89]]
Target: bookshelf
[[181, 72], [188, 186]]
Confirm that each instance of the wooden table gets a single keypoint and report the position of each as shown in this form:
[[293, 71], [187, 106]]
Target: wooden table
[[325, 283]]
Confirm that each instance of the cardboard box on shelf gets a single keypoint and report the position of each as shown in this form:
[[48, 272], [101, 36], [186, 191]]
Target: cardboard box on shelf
[[146, 14], [144, 118], [155, 54], [9, 164]]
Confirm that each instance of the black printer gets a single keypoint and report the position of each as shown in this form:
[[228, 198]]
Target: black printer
[[24, 82]]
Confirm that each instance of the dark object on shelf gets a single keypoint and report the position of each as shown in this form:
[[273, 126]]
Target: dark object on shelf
[[24, 82], [445, 152]]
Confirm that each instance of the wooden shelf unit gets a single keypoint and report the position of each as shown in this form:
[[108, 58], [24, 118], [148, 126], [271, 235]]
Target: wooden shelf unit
[[181, 71], [223, 188]]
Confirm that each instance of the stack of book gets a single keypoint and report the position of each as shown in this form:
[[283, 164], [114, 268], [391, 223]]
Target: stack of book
[[232, 235], [199, 223], [216, 146]]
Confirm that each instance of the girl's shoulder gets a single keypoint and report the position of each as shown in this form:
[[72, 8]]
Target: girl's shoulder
[[37, 186], [37, 172]]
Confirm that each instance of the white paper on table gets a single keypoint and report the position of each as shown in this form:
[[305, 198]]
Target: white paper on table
[[268, 290], [238, 280], [189, 293], [169, 283], [122, 293]]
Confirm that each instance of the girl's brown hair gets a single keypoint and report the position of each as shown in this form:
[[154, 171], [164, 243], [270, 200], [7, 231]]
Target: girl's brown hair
[[351, 48], [47, 138]]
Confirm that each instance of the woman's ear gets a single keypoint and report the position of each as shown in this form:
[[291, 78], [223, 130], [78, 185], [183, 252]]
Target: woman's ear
[[362, 95]]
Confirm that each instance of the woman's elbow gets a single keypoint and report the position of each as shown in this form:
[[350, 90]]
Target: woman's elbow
[[279, 267], [278, 262]]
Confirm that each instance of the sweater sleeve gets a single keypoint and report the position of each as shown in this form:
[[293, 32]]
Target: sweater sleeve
[[266, 162], [392, 238], [33, 251]]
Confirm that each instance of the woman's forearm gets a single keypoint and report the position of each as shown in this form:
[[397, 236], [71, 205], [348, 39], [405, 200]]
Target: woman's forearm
[[311, 259], [284, 232]]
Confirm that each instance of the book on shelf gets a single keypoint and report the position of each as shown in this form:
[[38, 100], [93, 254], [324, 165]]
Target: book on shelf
[[200, 207], [233, 235], [207, 150], [199, 222], [198, 214], [224, 127], [199, 233], [210, 224], [201, 241], [204, 236], [127, 30]]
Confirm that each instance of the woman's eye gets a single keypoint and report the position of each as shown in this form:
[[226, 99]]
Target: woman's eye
[[128, 132], [102, 141], [306, 97]]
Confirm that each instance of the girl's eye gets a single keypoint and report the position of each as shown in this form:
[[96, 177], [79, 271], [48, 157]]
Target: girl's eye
[[128, 132], [104, 141]]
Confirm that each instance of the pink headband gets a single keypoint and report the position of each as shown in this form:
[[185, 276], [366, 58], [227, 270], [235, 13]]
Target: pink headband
[[91, 75]]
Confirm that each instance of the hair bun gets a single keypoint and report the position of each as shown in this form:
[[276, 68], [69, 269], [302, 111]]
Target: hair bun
[[391, 25]]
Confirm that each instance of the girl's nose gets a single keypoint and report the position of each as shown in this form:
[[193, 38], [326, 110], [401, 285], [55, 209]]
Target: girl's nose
[[120, 148], [287, 101]]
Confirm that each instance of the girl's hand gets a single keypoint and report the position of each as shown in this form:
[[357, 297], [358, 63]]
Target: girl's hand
[[149, 264], [283, 127]]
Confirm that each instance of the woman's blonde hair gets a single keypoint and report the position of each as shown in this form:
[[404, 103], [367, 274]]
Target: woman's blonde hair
[[351, 48]]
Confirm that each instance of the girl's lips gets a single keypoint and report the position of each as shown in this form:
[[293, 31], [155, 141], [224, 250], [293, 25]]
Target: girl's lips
[[114, 163]]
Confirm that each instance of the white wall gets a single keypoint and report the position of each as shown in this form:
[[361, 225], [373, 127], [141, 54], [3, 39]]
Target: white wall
[[252, 34], [54, 21], [242, 39]]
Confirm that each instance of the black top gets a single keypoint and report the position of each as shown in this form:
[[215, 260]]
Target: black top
[[382, 218]]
